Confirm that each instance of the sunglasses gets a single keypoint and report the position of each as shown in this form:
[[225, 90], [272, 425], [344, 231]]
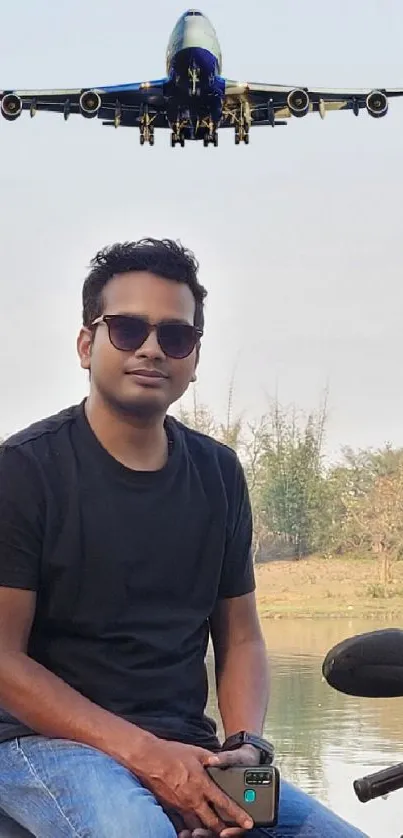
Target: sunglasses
[[128, 332]]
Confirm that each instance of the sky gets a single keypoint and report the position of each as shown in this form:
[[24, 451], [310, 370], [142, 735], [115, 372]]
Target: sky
[[298, 234]]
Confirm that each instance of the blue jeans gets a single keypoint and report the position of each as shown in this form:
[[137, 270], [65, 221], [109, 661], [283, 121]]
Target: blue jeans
[[54, 788]]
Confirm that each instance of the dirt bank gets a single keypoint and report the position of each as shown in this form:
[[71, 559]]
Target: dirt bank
[[316, 587]]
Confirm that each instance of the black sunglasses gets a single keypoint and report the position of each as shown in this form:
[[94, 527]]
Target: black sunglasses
[[129, 331]]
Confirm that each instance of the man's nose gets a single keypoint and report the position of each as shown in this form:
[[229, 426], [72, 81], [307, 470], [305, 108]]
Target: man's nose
[[150, 348]]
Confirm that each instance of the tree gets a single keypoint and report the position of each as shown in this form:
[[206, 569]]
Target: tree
[[230, 432], [291, 477], [202, 419], [255, 476], [361, 490], [356, 506], [379, 513]]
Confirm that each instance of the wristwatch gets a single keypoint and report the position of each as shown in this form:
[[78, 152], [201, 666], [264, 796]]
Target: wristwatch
[[244, 738]]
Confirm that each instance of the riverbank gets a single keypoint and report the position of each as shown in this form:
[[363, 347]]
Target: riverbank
[[317, 587]]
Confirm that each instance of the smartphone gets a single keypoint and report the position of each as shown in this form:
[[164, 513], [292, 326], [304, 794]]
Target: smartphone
[[255, 790]]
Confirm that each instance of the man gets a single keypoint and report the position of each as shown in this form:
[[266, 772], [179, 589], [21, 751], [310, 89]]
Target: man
[[124, 541]]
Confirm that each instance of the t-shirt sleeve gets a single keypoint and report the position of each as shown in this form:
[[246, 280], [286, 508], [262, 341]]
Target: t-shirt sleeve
[[237, 575], [21, 521]]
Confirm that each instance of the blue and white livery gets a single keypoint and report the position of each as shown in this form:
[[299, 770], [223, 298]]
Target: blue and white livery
[[194, 100]]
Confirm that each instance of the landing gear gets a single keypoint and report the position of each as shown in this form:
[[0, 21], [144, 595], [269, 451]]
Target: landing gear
[[242, 134], [210, 136], [194, 80], [180, 130], [240, 117], [177, 138], [117, 119], [147, 135], [146, 127]]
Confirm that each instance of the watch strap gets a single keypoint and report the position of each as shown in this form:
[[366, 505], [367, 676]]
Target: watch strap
[[236, 740]]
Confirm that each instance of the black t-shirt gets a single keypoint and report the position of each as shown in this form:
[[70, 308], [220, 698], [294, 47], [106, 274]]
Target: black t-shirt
[[127, 566]]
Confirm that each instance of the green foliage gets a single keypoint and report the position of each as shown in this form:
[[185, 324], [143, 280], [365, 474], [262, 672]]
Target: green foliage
[[300, 506], [291, 479]]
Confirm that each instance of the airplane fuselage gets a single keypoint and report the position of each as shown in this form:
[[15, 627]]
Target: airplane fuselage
[[195, 89], [193, 43]]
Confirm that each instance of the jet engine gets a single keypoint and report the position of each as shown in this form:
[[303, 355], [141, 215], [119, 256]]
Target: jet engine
[[90, 103], [377, 104], [298, 102], [11, 106]]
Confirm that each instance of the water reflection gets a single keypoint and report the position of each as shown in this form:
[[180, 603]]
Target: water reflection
[[324, 740]]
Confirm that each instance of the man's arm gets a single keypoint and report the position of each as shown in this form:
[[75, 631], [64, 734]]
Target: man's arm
[[242, 670], [44, 702], [242, 674]]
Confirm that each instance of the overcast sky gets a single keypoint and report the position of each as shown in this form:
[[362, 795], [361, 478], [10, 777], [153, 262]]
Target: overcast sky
[[298, 234]]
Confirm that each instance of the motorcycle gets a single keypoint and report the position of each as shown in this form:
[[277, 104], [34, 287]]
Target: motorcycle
[[369, 665]]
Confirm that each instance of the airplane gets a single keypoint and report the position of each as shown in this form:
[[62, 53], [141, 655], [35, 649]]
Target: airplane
[[194, 100]]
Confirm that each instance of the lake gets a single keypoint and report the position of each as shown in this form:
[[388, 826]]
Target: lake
[[324, 739]]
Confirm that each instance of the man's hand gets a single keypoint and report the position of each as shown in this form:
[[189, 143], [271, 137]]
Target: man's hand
[[176, 775], [248, 756]]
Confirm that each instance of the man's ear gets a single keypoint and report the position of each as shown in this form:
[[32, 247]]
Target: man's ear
[[194, 376], [84, 347]]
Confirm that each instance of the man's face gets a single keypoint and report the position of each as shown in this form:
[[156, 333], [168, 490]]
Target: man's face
[[117, 375]]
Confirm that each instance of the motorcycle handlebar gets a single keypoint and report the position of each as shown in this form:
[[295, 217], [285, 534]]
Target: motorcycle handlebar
[[379, 784]]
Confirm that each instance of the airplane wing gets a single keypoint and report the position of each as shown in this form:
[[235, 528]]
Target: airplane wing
[[268, 104], [117, 105]]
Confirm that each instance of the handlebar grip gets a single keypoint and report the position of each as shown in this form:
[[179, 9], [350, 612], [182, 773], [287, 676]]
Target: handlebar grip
[[378, 784]]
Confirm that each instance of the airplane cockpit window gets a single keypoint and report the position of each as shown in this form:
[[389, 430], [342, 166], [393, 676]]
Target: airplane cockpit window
[[193, 13]]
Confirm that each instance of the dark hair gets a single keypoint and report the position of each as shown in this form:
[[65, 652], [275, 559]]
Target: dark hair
[[165, 258]]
